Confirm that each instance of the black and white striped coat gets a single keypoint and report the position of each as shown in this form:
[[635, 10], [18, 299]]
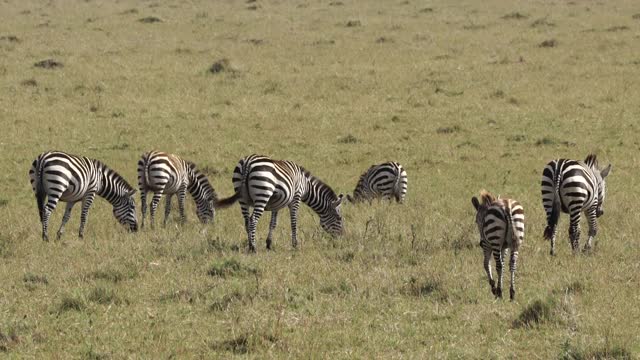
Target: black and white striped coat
[[168, 174], [69, 178], [387, 180], [573, 187], [266, 184], [501, 226]]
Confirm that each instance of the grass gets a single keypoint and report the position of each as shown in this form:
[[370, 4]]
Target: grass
[[462, 94]]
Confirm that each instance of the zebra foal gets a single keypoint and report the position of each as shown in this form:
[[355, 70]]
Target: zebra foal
[[168, 174], [501, 226], [573, 187], [267, 184], [69, 178]]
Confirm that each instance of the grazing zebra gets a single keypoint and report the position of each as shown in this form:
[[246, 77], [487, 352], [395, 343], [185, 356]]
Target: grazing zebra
[[70, 178], [573, 186], [268, 184], [168, 174], [385, 181], [501, 226]]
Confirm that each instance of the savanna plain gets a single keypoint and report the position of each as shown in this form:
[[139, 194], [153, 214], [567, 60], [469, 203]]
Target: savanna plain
[[467, 95]]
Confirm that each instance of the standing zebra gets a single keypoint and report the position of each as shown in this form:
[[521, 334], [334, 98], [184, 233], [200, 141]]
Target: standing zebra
[[501, 226], [381, 181], [70, 178], [168, 174], [268, 184], [573, 186]]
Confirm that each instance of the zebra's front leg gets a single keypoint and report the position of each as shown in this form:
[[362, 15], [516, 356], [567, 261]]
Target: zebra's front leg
[[513, 262], [154, 206], [65, 219], [593, 228], [143, 205], [182, 194], [499, 258], [574, 232], [272, 226], [253, 223], [167, 208], [86, 204], [293, 211], [487, 269]]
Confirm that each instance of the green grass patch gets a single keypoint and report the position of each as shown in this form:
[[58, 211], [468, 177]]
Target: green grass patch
[[104, 296], [230, 268], [605, 352]]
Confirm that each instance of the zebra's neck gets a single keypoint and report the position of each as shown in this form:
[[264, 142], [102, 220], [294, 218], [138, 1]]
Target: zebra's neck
[[199, 187], [319, 195], [112, 187]]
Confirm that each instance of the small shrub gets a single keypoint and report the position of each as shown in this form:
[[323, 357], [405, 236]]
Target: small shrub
[[48, 64], [35, 279], [426, 10], [542, 22], [348, 139], [515, 16], [609, 351], [71, 303], [246, 343], [545, 141], [230, 268], [10, 38], [225, 301], [150, 20], [537, 313], [105, 296], [29, 82], [517, 138], [219, 66], [354, 23], [448, 129], [548, 43]]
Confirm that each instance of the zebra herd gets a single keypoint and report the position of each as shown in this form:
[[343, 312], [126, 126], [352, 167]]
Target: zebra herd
[[265, 184]]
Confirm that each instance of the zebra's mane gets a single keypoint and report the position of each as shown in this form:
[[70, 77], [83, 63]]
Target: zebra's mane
[[200, 181], [109, 172], [487, 198], [591, 161], [319, 183]]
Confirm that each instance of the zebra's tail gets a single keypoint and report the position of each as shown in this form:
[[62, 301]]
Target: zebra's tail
[[41, 194], [224, 203], [552, 219], [515, 241]]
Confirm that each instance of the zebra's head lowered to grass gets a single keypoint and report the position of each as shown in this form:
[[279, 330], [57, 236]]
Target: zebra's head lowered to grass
[[203, 194], [331, 219], [124, 209], [600, 175]]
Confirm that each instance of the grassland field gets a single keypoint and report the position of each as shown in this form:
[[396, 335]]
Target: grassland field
[[465, 94]]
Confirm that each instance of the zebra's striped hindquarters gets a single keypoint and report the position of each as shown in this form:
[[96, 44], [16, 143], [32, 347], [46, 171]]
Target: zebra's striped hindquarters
[[387, 180], [57, 176], [573, 187], [501, 226]]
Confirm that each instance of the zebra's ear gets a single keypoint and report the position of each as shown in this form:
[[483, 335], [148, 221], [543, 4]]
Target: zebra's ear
[[475, 202], [605, 171], [130, 193]]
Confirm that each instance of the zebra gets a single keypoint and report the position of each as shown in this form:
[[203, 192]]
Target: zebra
[[381, 181], [268, 184], [71, 178], [573, 186], [501, 226], [168, 174]]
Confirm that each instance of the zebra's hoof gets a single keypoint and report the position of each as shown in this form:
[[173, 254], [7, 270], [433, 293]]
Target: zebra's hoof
[[512, 294], [498, 293], [58, 236]]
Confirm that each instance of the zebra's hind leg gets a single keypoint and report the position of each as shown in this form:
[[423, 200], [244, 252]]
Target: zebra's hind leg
[[574, 233], [487, 269], [143, 205], [46, 214], [253, 223], [167, 208], [86, 204], [182, 194], [554, 232], [293, 211], [272, 226], [65, 219], [154, 206], [593, 228], [513, 262], [499, 258]]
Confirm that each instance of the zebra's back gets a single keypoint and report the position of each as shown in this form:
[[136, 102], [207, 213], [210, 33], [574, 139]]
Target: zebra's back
[[386, 180], [159, 170], [503, 225], [64, 175]]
